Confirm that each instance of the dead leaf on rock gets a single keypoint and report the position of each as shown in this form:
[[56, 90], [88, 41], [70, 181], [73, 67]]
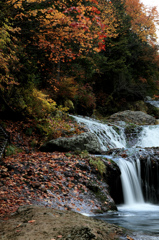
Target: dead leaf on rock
[[18, 225], [31, 221]]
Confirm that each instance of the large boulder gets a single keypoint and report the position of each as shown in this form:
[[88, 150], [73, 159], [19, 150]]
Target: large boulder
[[85, 141], [38, 222], [136, 117]]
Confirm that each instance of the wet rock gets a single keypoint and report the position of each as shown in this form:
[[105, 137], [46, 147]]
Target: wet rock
[[112, 178], [152, 109], [132, 133], [85, 141], [93, 187], [83, 167], [157, 121]]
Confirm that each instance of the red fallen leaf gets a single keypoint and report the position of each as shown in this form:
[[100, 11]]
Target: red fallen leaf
[[31, 221], [78, 209]]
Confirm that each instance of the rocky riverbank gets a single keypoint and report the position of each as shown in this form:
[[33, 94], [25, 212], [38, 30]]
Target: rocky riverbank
[[63, 184]]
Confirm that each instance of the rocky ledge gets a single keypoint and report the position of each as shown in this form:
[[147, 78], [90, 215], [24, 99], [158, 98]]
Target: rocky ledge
[[84, 141], [136, 117]]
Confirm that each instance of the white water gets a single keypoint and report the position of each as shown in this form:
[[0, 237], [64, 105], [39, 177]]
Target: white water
[[110, 138], [130, 182], [149, 137], [107, 136]]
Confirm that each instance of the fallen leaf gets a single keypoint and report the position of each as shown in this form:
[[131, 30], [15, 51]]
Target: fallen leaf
[[31, 221], [129, 238], [18, 225]]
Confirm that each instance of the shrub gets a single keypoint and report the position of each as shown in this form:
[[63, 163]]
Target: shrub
[[33, 102], [40, 105]]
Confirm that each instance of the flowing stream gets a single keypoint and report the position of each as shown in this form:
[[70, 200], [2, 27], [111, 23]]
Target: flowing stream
[[137, 213], [154, 103]]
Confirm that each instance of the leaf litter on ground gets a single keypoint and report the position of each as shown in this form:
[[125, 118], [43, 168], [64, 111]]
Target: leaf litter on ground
[[51, 179]]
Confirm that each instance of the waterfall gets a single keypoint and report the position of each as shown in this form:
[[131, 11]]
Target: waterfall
[[111, 137], [130, 182], [107, 136], [138, 190]]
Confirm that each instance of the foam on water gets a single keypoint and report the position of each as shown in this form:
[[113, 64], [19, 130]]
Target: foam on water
[[146, 207], [149, 137]]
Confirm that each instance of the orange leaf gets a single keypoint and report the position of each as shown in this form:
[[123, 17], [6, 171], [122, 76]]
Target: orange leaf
[[31, 221], [129, 238]]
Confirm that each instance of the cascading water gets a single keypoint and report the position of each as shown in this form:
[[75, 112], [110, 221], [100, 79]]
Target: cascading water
[[106, 134], [111, 137], [136, 213], [130, 182], [149, 137]]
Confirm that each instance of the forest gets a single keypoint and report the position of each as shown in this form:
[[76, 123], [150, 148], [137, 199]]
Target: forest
[[81, 56]]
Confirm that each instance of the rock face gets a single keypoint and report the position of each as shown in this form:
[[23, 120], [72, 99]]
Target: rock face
[[149, 160], [112, 178], [85, 141], [136, 117]]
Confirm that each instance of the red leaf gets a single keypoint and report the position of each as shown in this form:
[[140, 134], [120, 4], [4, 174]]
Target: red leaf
[[31, 221]]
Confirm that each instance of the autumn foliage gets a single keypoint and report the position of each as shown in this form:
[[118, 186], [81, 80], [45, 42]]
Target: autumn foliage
[[59, 47], [143, 19]]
